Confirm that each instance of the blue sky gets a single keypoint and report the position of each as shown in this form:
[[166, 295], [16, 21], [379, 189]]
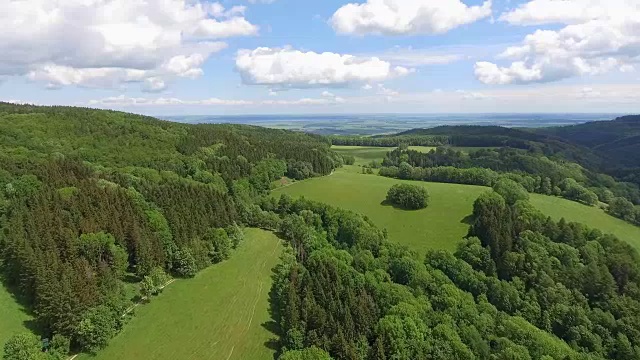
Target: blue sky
[[330, 56]]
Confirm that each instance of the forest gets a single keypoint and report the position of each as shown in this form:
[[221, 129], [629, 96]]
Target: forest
[[532, 170], [94, 203], [521, 286]]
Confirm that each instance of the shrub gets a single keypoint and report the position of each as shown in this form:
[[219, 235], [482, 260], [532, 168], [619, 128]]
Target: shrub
[[410, 197], [349, 159]]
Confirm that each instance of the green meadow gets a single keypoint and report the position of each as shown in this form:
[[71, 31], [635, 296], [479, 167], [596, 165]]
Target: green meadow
[[591, 216], [445, 221], [440, 226], [365, 154], [12, 317], [219, 314]]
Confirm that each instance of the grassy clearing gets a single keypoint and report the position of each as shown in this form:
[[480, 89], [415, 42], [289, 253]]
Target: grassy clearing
[[591, 216], [422, 149], [439, 226], [363, 154], [12, 317], [444, 222], [217, 315]]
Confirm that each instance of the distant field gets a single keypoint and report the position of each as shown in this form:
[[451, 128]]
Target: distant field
[[592, 216], [440, 226], [365, 154], [217, 315], [12, 317]]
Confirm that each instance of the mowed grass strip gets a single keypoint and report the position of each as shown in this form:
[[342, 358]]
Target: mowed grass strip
[[440, 226], [12, 317], [591, 216], [217, 315]]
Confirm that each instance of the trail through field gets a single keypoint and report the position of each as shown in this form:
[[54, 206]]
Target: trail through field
[[217, 315]]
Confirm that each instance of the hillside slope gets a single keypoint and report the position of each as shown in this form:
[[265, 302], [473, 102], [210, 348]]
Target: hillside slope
[[94, 201], [618, 140]]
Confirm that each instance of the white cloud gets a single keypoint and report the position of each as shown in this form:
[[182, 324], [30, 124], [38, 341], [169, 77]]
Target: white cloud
[[550, 97], [289, 68], [600, 36], [18, 102], [154, 84], [406, 17], [387, 92], [100, 42], [124, 101], [556, 98], [538, 12], [305, 101], [627, 68], [415, 58]]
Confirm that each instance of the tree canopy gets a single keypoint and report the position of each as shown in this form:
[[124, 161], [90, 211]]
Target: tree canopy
[[406, 196]]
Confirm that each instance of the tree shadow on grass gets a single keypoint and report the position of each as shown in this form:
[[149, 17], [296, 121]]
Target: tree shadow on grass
[[274, 343], [30, 324], [469, 219], [386, 202]]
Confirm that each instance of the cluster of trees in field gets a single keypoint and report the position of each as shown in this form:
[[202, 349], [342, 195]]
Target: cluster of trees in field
[[534, 171], [521, 286], [93, 202], [407, 196]]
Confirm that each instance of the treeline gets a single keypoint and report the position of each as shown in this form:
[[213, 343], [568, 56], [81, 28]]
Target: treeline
[[390, 141], [91, 200], [521, 286], [536, 172], [568, 188]]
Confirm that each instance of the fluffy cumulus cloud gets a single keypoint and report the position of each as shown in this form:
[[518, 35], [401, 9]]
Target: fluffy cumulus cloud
[[113, 42], [289, 68], [598, 36], [406, 17]]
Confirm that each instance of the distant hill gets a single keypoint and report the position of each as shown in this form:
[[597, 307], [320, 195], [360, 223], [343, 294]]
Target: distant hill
[[617, 140], [520, 138]]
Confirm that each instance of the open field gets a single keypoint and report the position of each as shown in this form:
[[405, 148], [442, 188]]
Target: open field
[[217, 315], [365, 154], [442, 224], [439, 226], [12, 317], [591, 216]]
